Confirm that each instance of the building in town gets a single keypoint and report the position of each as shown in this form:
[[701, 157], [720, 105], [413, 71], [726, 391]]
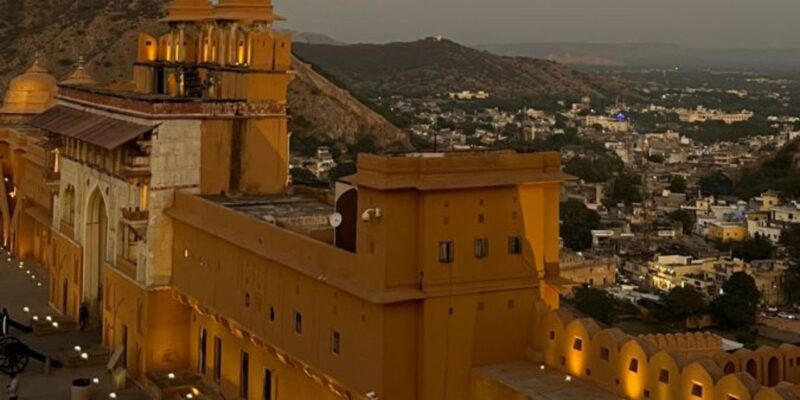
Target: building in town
[[165, 210], [702, 114]]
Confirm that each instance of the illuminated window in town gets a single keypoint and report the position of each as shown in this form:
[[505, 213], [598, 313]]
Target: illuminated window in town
[[514, 245], [298, 323], [634, 365], [663, 376], [335, 343], [697, 390], [217, 359], [481, 248], [446, 252]]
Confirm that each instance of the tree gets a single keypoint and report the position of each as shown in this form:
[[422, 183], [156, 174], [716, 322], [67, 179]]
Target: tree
[[716, 184], [656, 158], [341, 170], [757, 248], [594, 168], [790, 238], [625, 189], [681, 303], [577, 223], [685, 218], [595, 303], [677, 184], [736, 307]]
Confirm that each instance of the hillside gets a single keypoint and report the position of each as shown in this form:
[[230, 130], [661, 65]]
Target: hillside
[[105, 32], [432, 67], [781, 173]]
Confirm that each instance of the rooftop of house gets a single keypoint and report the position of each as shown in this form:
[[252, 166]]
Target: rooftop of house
[[528, 380]]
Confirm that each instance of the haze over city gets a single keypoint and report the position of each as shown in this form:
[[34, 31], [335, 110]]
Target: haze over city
[[707, 23]]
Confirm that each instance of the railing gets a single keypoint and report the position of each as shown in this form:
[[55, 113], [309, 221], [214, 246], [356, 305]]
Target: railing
[[138, 166], [135, 214], [51, 177]]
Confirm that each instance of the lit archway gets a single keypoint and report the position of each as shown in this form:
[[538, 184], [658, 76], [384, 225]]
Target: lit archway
[[94, 252]]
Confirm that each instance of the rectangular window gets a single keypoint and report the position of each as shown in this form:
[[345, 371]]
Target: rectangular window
[[267, 389], [578, 344], [271, 314], [217, 359], [298, 323], [663, 376], [552, 335], [604, 353], [697, 390], [481, 248], [446, 252], [335, 343], [201, 351], [514, 245], [634, 365], [244, 375]]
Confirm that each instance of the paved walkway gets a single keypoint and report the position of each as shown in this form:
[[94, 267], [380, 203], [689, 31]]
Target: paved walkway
[[19, 289]]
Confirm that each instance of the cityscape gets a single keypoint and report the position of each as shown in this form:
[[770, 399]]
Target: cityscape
[[201, 200]]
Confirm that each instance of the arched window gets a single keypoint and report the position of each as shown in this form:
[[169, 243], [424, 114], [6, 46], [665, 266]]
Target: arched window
[[68, 213]]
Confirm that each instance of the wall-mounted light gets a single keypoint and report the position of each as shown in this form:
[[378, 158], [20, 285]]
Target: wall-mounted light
[[371, 214]]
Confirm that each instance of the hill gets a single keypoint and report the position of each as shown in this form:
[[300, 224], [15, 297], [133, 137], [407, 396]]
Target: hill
[[433, 67], [105, 32], [780, 172]]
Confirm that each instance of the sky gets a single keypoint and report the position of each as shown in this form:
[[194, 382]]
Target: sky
[[691, 23]]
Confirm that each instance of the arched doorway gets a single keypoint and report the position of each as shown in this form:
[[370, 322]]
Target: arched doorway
[[730, 368], [773, 372], [94, 255], [752, 368]]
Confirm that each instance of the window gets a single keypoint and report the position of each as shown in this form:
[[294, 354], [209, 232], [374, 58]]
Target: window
[[247, 300], [446, 252], [217, 359], [577, 344], [271, 314], [514, 245], [298, 323], [697, 390], [481, 248], [201, 351], [552, 335], [244, 375], [335, 343], [663, 376], [604, 353], [481, 218], [634, 365]]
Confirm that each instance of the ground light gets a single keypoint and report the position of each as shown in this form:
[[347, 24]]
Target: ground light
[[77, 348], [112, 395], [171, 375], [26, 309], [96, 380]]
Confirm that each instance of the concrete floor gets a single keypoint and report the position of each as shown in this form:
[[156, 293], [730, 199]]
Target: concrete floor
[[19, 290]]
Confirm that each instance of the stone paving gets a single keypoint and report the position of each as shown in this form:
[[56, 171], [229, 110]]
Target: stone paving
[[19, 289]]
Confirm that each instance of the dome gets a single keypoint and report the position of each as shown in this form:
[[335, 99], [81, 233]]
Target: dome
[[30, 93], [80, 76]]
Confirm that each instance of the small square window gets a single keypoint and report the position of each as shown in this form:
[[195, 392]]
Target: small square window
[[481, 248], [577, 344], [481, 218], [697, 390], [634, 365], [646, 394], [335, 343], [514, 245], [552, 335], [298, 323], [446, 252], [604, 353], [663, 376], [588, 372]]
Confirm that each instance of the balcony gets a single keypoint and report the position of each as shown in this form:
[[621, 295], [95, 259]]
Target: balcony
[[136, 218], [136, 167], [52, 179]]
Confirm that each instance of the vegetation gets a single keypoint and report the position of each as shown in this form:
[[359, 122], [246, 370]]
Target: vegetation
[[625, 188], [780, 173], [737, 306], [594, 167], [677, 184], [790, 239], [718, 131], [681, 303], [596, 303], [757, 248], [685, 218], [577, 223], [716, 184]]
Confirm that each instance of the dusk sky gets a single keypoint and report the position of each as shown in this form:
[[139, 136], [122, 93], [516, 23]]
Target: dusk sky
[[695, 23]]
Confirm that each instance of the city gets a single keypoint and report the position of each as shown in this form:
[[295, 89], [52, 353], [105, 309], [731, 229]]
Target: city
[[201, 202]]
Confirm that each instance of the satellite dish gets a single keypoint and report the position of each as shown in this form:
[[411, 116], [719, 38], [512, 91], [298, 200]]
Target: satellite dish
[[335, 219]]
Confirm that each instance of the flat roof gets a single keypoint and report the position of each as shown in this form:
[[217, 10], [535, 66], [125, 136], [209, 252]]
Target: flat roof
[[299, 213], [530, 381]]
